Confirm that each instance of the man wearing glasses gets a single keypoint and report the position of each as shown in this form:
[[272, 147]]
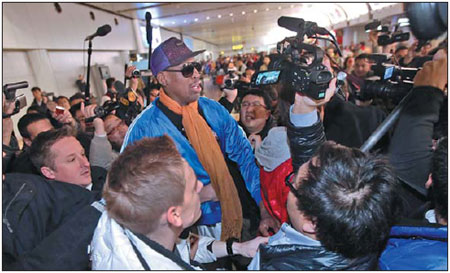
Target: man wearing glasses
[[208, 138], [255, 116]]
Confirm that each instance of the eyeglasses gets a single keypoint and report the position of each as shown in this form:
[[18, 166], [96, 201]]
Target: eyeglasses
[[289, 180], [188, 69], [246, 104]]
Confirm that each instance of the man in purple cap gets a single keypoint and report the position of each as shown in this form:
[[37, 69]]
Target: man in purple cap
[[211, 142]]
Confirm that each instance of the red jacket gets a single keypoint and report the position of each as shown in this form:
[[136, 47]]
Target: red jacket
[[274, 192]]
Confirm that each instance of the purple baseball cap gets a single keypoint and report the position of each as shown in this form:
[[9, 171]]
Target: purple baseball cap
[[170, 53]]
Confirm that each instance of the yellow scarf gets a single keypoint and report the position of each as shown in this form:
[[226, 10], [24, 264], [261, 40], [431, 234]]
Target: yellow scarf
[[210, 155]]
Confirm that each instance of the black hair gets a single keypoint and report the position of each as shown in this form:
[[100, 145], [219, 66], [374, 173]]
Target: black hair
[[34, 108], [260, 93], [62, 97], [362, 56], [27, 120], [402, 47], [76, 96], [74, 108], [439, 175], [351, 197], [35, 88]]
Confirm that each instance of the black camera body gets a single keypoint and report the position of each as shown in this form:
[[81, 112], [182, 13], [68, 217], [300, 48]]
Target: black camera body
[[9, 90], [390, 81], [301, 63]]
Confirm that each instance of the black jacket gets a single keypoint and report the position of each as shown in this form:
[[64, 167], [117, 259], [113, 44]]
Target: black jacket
[[303, 257], [47, 225], [351, 125], [304, 141]]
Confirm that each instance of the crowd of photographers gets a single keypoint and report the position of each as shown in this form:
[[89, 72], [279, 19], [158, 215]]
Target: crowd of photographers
[[286, 188]]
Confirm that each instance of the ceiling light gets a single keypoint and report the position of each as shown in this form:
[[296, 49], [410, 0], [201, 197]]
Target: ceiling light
[[207, 17], [173, 23], [279, 7], [267, 9], [196, 19], [185, 21], [243, 13], [219, 16], [162, 24], [292, 6], [255, 11], [231, 14]]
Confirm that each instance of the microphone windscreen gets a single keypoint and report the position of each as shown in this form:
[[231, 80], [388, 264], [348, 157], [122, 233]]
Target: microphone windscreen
[[291, 23], [103, 30]]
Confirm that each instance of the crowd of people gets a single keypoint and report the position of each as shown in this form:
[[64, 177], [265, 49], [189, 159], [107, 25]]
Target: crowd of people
[[266, 178]]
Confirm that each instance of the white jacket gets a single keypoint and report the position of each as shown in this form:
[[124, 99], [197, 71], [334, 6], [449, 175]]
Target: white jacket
[[111, 249]]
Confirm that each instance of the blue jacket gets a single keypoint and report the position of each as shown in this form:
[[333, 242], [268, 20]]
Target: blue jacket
[[152, 122], [415, 248]]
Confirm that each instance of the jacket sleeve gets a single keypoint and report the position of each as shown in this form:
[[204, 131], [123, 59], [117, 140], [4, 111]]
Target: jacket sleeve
[[239, 150], [304, 141], [410, 149], [101, 153]]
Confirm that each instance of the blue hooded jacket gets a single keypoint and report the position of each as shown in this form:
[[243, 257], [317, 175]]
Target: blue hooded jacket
[[152, 122], [415, 248]]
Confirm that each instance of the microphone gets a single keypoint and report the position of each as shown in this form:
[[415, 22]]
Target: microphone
[[101, 31], [291, 23]]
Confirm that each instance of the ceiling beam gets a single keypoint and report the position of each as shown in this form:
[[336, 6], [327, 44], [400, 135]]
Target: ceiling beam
[[145, 7], [106, 10]]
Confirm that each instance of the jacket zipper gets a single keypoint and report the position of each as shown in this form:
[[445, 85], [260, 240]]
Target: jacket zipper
[[5, 220]]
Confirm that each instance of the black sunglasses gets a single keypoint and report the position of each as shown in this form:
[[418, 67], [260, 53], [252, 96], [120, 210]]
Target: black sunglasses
[[289, 180], [188, 69]]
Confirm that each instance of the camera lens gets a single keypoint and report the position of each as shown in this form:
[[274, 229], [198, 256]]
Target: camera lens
[[136, 73]]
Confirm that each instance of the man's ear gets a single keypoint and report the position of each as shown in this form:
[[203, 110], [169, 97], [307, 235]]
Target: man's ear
[[309, 227], [48, 172], [161, 77], [27, 141], [174, 216]]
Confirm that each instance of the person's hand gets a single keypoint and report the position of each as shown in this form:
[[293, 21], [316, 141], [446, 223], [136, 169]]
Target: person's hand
[[267, 221], [65, 118], [44, 99], [248, 249], [208, 194], [373, 37], [230, 94], [88, 112], [304, 104], [7, 129], [133, 80], [433, 73], [255, 141]]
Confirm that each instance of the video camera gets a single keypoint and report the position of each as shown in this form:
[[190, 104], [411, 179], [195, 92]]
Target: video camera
[[387, 37], [389, 81], [9, 90], [300, 64], [126, 105]]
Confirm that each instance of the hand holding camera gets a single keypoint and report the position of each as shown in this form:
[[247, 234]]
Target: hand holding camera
[[89, 112], [433, 73]]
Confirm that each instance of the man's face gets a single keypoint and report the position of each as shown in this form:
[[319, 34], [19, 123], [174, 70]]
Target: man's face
[[70, 162], [37, 94], [296, 217], [266, 60], [401, 53], [37, 127], [182, 90], [63, 102], [116, 129], [191, 211], [254, 113], [361, 68], [79, 116]]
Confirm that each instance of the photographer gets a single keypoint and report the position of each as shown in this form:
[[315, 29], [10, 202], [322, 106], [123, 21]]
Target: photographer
[[410, 149], [10, 145]]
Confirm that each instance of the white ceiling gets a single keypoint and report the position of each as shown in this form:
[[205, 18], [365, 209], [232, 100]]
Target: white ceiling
[[226, 24]]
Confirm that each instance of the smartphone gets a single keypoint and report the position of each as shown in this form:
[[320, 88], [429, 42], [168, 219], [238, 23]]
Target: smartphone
[[266, 77], [59, 110]]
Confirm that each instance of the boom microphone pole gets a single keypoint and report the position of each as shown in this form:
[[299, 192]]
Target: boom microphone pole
[[148, 18], [101, 31]]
